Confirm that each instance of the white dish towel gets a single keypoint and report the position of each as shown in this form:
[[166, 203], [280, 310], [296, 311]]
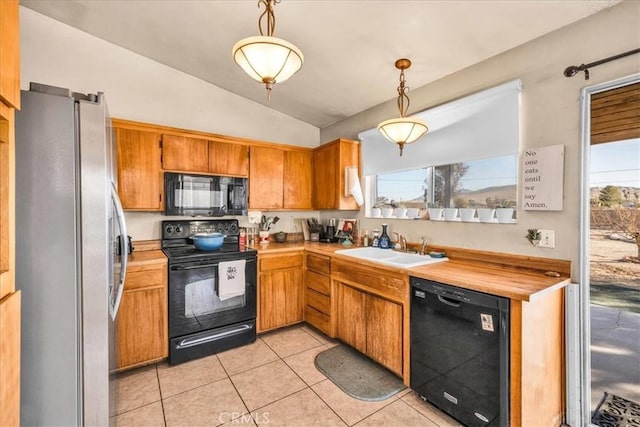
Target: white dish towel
[[231, 281]]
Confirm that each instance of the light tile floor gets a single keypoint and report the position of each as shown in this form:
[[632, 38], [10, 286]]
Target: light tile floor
[[271, 382]]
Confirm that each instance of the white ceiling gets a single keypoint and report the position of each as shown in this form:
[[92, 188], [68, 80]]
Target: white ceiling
[[350, 46]]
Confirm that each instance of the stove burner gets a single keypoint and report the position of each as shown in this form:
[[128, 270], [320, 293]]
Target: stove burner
[[177, 243]]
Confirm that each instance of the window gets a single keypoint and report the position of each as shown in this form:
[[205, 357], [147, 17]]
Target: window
[[470, 184], [469, 158], [406, 187]]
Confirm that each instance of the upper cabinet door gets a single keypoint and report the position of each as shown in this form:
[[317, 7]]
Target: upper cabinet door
[[297, 179], [140, 178], [9, 53], [266, 171], [325, 173], [329, 163], [228, 159], [181, 153]]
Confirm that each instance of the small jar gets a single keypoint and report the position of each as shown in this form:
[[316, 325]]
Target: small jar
[[375, 242]]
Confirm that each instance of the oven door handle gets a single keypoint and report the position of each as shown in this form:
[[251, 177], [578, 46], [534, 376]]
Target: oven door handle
[[193, 267]]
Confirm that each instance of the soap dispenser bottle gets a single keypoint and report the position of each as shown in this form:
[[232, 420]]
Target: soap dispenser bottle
[[385, 241]]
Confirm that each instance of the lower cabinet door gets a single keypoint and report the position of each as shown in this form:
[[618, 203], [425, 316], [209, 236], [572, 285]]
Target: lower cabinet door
[[352, 321], [281, 298], [384, 332], [142, 327], [10, 360]]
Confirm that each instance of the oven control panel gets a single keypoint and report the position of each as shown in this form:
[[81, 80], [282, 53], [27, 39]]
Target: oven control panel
[[184, 229]]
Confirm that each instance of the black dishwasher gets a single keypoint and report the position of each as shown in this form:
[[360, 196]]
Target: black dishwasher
[[460, 352]]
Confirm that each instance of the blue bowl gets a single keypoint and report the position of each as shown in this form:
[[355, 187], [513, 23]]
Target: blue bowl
[[208, 241]]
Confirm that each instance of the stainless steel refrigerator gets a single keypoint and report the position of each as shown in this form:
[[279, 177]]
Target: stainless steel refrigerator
[[71, 252]]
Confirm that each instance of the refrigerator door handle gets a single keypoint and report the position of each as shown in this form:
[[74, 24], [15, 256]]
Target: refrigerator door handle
[[124, 250]]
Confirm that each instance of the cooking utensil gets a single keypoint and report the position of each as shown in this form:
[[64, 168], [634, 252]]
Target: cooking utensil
[[208, 241]]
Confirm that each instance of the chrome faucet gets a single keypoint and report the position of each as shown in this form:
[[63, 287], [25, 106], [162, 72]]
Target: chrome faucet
[[423, 249]]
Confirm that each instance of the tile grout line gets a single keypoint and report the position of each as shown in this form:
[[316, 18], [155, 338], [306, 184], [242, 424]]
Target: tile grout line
[[327, 403], [237, 391], [287, 365], [326, 378], [164, 415]]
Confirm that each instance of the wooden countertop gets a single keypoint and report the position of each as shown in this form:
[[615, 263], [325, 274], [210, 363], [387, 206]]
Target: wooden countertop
[[511, 276], [155, 256], [523, 285], [322, 248]]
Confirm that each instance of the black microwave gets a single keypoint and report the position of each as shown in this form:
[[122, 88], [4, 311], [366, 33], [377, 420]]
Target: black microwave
[[204, 195]]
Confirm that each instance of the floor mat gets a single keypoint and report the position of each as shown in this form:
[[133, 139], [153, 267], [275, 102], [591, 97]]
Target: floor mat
[[357, 375], [614, 411]]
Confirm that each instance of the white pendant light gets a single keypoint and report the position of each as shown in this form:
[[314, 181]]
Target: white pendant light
[[403, 130], [265, 58]]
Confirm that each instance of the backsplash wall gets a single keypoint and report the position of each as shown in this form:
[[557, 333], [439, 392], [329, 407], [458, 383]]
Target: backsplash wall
[[147, 225]]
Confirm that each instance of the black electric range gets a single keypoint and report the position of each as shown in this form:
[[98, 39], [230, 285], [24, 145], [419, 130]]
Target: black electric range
[[204, 317]]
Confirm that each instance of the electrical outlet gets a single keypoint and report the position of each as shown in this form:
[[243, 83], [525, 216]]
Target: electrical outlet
[[547, 239]]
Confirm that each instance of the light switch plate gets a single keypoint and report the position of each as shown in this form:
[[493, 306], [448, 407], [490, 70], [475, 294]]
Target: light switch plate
[[547, 239]]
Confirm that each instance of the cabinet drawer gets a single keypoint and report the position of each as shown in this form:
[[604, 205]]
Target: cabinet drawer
[[318, 320], [319, 263], [145, 277], [393, 286], [318, 282], [320, 302], [280, 261]]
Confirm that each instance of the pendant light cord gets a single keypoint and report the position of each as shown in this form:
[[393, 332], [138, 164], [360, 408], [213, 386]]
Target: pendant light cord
[[271, 18]]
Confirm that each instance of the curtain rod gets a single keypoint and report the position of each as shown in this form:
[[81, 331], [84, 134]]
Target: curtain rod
[[573, 69]]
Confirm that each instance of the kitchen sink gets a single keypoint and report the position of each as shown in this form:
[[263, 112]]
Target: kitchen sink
[[390, 257]]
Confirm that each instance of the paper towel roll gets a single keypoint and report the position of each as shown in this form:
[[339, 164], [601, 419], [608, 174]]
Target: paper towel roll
[[352, 184], [356, 192]]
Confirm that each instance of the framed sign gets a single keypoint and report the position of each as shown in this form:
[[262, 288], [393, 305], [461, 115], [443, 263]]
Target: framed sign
[[542, 180]]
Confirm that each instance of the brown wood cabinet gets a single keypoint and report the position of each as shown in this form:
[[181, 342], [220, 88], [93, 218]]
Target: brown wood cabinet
[[203, 156], [371, 325], [384, 332], [266, 172], [372, 312], [10, 300], [10, 360], [279, 178], [140, 177], [318, 301], [9, 53], [228, 159], [537, 360], [298, 170], [280, 290], [329, 163], [184, 154], [143, 317], [6, 145]]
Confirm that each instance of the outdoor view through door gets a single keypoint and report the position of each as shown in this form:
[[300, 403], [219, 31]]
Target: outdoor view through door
[[614, 255]]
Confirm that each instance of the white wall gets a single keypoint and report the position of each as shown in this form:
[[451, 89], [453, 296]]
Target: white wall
[[140, 89], [550, 115]]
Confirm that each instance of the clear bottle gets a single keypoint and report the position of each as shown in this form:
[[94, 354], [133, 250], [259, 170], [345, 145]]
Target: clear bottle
[[385, 241], [365, 239], [376, 238]]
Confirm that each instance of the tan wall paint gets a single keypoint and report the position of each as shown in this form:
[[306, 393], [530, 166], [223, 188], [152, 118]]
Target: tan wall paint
[[550, 114]]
